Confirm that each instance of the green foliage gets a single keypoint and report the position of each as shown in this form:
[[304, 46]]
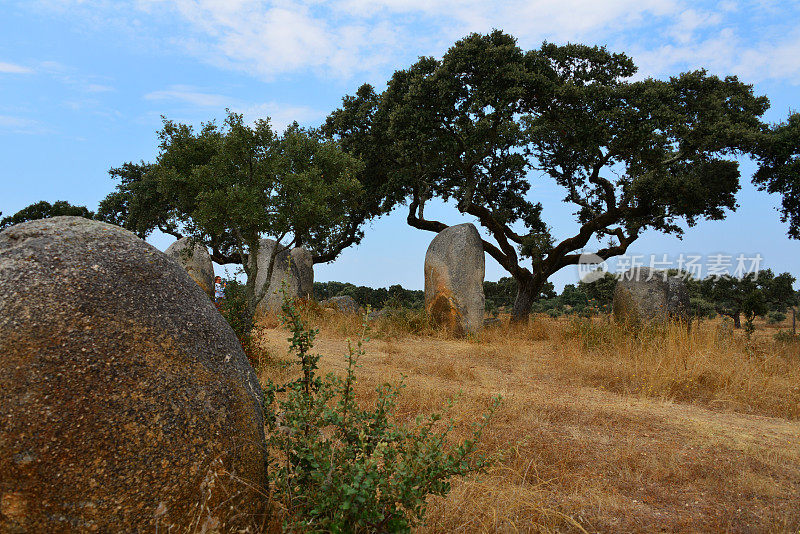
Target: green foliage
[[784, 336], [45, 210], [630, 154], [752, 295], [234, 308], [338, 467], [779, 169], [394, 297], [775, 317], [702, 309], [600, 292], [226, 184], [503, 293]]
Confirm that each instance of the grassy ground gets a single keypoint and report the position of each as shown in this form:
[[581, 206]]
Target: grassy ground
[[601, 429]]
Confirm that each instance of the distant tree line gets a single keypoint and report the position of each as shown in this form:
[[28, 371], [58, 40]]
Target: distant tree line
[[396, 296], [763, 295]]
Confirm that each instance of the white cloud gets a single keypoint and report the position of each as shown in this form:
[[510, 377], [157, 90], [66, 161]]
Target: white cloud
[[190, 95], [97, 88], [13, 68], [359, 38], [281, 114], [21, 125]]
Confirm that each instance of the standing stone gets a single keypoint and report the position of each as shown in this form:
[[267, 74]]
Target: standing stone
[[644, 295], [194, 257], [295, 267], [454, 270], [343, 303], [126, 402]]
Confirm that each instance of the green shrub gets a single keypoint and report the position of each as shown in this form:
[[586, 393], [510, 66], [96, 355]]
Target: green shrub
[[337, 467], [775, 317], [702, 309], [234, 309], [784, 336]]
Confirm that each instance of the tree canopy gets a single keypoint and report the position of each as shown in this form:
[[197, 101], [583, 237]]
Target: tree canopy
[[483, 126], [779, 172], [229, 186], [45, 210]]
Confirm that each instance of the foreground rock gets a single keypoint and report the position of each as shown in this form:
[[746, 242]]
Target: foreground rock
[[194, 257], [343, 303], [127, 404], [454, 271], [643, 295], [295, 267]]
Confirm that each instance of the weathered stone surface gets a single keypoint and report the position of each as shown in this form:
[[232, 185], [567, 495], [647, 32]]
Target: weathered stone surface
[[343, 303], [295, 267], [454, 271], [194, 257], [643, 295], [125, 399]]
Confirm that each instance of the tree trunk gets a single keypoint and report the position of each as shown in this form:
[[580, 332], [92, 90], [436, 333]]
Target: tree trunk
[[737, 322], [526, 296]]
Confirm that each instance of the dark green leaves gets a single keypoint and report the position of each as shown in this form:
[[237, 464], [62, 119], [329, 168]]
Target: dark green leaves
[[231, 184], [45, 210], [779, 170]]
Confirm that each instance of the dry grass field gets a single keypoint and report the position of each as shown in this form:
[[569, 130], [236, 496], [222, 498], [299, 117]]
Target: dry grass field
[[600, 429]]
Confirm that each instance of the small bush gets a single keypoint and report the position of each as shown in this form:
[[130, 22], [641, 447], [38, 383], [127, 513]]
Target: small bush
[[702, 309], [340, 468], [234, 309], [784, 336], [776, 317]]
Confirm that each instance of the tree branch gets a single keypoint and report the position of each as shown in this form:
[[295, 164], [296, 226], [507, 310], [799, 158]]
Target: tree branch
[[608, 188], [608, 252], [173, 233], [351, 238]]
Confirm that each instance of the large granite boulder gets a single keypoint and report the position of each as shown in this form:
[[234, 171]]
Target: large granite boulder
[[645, 295], [295, 267], [342, 303], [194, 257], [454, 271], [127, 404]]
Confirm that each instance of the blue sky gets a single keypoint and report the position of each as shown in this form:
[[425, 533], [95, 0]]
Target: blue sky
[[83, 85]]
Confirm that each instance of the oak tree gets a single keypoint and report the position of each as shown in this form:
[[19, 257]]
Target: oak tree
[[229, 186], [486, 124]]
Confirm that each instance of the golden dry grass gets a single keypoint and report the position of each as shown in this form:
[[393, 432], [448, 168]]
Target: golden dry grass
[[601, 429]]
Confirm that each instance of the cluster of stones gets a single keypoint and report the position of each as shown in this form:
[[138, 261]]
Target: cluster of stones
[[292, 272], [126, 401]]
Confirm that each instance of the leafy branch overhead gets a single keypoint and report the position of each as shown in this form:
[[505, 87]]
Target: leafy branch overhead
[[489, 122]]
